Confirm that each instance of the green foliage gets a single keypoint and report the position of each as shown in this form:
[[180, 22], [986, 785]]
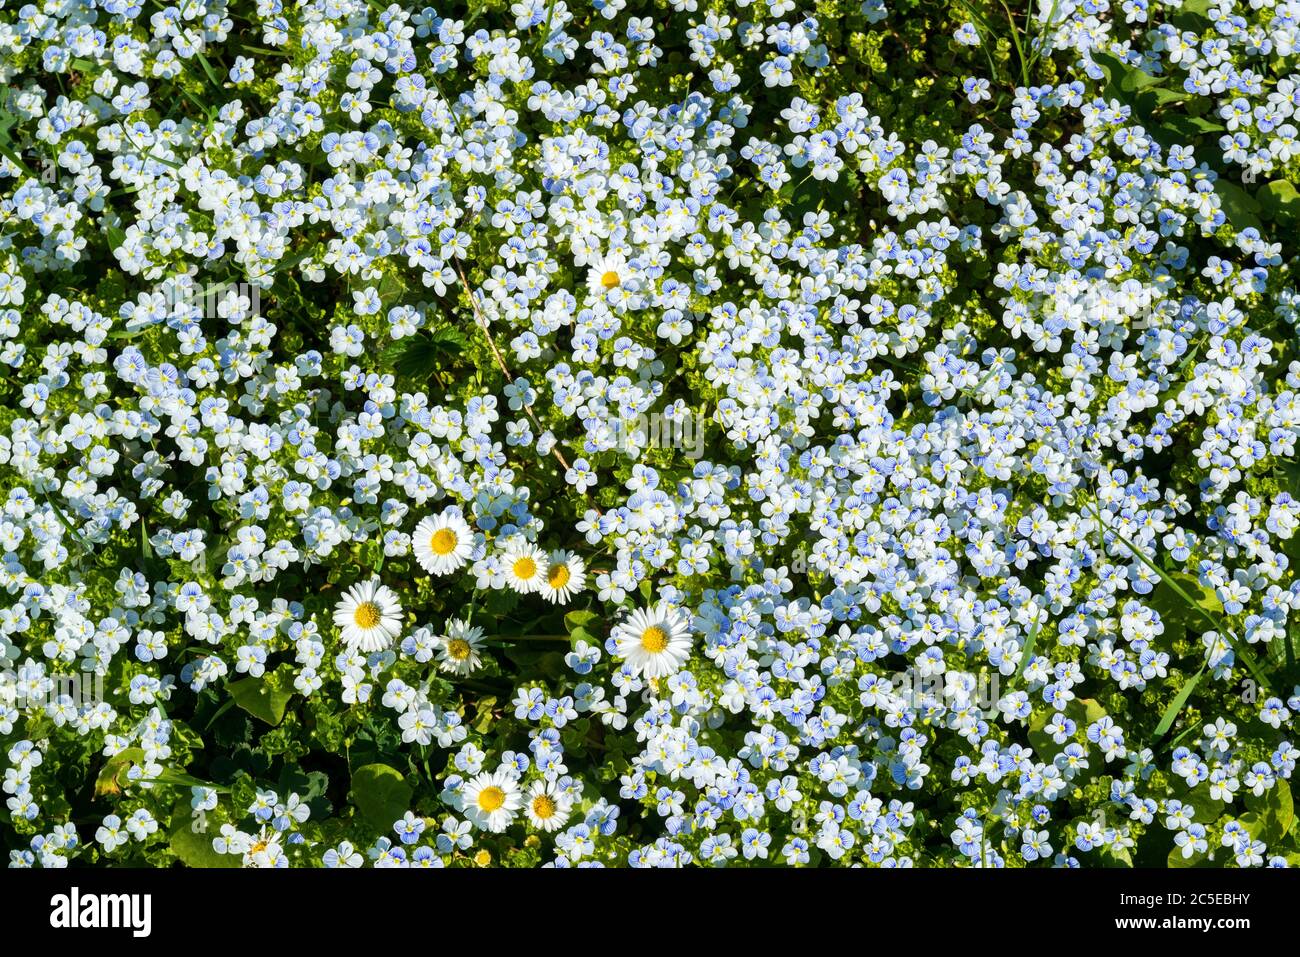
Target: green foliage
[[381, 794], [264, 698]]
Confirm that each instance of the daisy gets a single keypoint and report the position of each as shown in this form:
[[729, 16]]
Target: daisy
[[526, 567], [442, 543], [490, 801], [369, 615], [459, 647], [266, 851], [565, 576], [546, 807], [606, 273], [655, 641]]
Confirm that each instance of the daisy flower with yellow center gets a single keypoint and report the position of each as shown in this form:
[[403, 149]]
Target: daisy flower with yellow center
[[266, 851], [369, 616], [654, 641], [491, 800], [442, 543], [607, 273], [526, 568], [566, 575], [459, 647], [546, 806]]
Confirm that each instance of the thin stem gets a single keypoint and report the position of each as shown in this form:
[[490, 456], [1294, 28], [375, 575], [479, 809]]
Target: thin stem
[[496, 354], [1247, 658]]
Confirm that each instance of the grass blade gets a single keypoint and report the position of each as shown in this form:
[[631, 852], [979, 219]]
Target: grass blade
[[1176, 706], [1238, 648], [1031, 641]]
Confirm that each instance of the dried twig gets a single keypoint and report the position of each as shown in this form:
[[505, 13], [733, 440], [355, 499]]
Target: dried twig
[[501, 362]]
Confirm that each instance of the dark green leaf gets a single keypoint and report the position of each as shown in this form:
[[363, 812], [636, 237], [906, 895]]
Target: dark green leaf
[[1271, 814], [261, 697], [381, 794], [1279, 200], [1082, 711], [1238, 205], [190, 839]]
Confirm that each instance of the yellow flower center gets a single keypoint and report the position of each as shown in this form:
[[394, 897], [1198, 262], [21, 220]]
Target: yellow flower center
[[609, 279], [543, 807], [559, 576], [443, 541], [367, 615], [489, 799], [654, 639], [458, 649], [525, 568]]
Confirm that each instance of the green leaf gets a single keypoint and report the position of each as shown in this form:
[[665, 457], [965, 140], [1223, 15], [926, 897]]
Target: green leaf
[[1134, 80], [207, 68], [534, 662], [500, 602], [1112, 856], [582, 634], [1152, 98], [261, 698], [1271, 814], [190, 839], [112, 779], [1206, 810], [225, 706], [483, 714], [381, 794], [417, 357], [391, 288], [1031, 640], [1176, 859], [1279, 200], [310, 786], [581, 619], [1082, 711], [1191, 127], [1175, 126], [1123, 79], [1166, 602], [583, 626], [1193, 15], [1175, 594], [1238, 205], [184, 779], [1176, 706]]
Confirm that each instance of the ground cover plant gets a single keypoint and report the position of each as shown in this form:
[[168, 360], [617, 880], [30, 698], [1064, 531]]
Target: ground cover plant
[[691, 432]]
